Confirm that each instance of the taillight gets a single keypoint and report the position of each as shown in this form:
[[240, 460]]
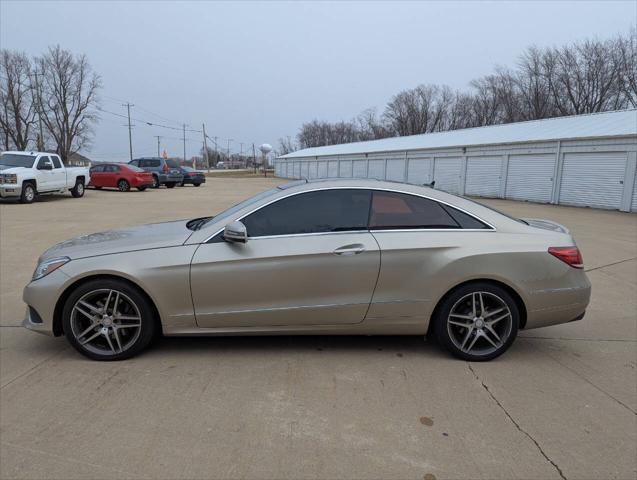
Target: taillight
[[569, 255], [165, 168]]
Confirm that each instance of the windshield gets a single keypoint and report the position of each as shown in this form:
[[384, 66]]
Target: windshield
[[496, 210], [134, 168], [14, 160]]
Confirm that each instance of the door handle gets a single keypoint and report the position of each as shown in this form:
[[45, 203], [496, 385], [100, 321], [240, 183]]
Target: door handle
[[347, 250]]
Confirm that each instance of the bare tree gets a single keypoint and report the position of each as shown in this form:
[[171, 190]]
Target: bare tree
[[17, 108], [286, 145], [69, 91], [627, 56]]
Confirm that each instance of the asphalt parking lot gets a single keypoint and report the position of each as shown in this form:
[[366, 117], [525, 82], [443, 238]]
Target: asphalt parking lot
[[561, 403]]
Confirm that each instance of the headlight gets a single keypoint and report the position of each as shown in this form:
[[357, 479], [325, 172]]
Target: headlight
[[48, 266], [9, 178]]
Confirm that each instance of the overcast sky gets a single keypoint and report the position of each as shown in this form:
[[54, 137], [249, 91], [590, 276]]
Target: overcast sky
[[254, 71]]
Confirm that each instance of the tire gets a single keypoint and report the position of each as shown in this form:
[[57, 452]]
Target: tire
[[123, 185], [78, 190], [108, 337], [196, 184], [142, 188], [182, 184], [28, 193], [461, 327], [156, 183], [170, 185]]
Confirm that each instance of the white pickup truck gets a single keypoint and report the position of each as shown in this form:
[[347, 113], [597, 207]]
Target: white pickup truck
[[27, 174]]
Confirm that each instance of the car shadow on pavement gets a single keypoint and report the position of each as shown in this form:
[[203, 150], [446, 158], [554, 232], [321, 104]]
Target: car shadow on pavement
[[398, 345]]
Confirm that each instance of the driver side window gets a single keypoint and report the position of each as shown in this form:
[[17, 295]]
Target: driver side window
[[42, 161], [313, 212]]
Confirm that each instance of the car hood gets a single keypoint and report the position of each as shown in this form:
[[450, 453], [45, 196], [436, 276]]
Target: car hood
[[10, 169], [142, 237]]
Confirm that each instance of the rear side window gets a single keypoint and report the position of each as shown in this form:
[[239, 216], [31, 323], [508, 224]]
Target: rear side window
[[465, 220], [97, 169], [56, 161], [392, 210], [312, 212]]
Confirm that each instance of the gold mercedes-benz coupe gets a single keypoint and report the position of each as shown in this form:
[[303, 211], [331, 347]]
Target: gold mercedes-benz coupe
[[325, 257]]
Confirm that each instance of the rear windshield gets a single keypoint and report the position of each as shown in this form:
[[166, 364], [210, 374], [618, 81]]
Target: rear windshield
[[496, 210], [14, 160], [172, 163]]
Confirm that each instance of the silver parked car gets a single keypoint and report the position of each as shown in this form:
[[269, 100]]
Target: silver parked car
[[326, 257]]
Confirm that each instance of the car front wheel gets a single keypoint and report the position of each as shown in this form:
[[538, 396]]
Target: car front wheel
[[156, 183], [477, 322], [108, 320], [170, 185], [28, 193]]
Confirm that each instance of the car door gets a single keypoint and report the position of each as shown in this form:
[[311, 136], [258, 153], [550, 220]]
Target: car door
[[45, 176], [309, 260], [97, 175], [419, 239], [108, 178], [58, 174]]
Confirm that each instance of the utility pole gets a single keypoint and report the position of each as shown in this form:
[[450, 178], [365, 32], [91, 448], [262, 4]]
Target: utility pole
[[254, 158], [40, 142], [184, 139], [205, 146], [241, 153], [130, 135], [229, 140], [158, 145]]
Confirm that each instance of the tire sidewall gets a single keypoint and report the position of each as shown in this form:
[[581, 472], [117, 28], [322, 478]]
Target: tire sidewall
[[156, 183], [145, 308], [23, 196], [440, 321]]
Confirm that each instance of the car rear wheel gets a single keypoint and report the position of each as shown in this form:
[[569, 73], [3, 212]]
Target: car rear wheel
[[123, 186], [156, 183], [78, 190], [170, 185], [477, 322], [28, 193], [108, 320], [196, 184], [142, 188]]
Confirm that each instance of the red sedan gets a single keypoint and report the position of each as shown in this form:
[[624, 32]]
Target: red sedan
[[121, 176]]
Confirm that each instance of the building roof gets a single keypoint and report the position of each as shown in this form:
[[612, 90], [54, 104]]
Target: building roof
[[595, 125]]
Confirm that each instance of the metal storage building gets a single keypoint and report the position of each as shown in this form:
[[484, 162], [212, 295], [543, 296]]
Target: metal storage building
[[583, 160]]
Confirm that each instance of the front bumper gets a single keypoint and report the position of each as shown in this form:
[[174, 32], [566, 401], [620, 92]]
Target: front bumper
[[10, 190], [41, 296]]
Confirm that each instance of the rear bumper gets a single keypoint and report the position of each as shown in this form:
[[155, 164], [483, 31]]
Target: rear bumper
[[552, 306]]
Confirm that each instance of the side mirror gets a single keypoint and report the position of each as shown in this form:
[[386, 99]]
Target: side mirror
[[47, 165], [235, 232]]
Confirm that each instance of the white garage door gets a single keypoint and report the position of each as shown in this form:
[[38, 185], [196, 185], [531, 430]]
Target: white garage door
[[359, 169], [305, 170], [530, 177], [297, 169], [345, 169], [332, 168], [312, 169], [483, 176], [419, 171], [396, 170], [633, 205], [322, 169], [593, 179], [376, 169], [447, 174]]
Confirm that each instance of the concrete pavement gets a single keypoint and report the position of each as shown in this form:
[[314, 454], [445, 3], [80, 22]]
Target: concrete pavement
[[561, 403]]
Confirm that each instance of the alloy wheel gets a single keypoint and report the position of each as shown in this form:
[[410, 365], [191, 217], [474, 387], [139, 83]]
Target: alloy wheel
[[480, 323], [106, 322], [123, 186], [29, 193]]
